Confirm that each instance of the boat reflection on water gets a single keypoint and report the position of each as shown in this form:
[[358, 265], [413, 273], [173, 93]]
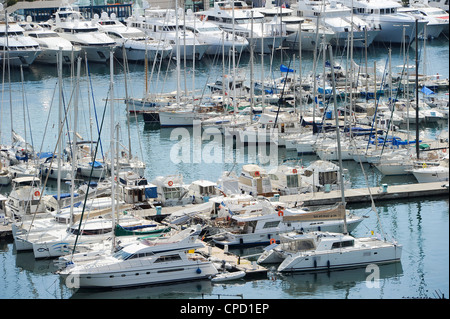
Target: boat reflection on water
[[364, 279], [185, 290]]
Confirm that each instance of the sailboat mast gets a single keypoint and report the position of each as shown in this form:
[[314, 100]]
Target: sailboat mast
[[417, 92], [341, 173], [74, 139], [112, 152], [59, 122], [251, 71]]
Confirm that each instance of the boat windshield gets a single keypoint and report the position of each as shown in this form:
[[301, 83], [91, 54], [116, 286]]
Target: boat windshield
[[134, 35], [208, 29], [122, 255], [45, 35]]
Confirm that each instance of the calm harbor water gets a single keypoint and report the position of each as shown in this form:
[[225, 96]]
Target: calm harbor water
[[421, 225]]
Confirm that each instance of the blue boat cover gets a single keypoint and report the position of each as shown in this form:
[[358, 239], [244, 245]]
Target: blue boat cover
[[426, 90], [96, 164], [284, 68]]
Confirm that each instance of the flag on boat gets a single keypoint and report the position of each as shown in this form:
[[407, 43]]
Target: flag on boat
[[426, 90]]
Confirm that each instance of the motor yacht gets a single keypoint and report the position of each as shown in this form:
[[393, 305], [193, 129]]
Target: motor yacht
[[239, 19], [138, 46], [71, 25]]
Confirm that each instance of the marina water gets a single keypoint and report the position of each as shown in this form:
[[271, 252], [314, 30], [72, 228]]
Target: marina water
[[421, 225]]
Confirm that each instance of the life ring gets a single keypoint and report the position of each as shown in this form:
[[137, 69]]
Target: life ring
[[257, 174], [272, 241], [37, 193], [294, 171], [424, 165], [170, 183], [280, 213], [444, 150]]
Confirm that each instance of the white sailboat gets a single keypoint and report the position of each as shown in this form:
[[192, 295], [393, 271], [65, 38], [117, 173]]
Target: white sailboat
[[325, 251], [316, 251], [432, 173]]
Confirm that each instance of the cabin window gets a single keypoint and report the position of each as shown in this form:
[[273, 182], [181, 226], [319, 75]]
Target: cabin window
[[172, 192], [273, 177], [292, 181], [170, 270], [168, 258], [343, 244], [308, 173], [271, 224], [328, 178]]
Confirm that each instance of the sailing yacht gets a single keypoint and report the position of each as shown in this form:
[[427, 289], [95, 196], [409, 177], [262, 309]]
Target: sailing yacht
[[70, 25], [5, 175], [393, 25], [59, 241], [315, 251], [236, 17], [144, 262], [137, 44], [429, 174], [325, 250], [164, 25], [339, 18]]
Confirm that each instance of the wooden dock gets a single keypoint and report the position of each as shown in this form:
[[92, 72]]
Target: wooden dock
[[251, 268], [362, 195]]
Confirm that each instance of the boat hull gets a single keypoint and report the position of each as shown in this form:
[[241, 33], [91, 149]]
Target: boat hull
[[341, 259], [139, 276]]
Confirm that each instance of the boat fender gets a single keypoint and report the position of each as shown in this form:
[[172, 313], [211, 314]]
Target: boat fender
[[280, 213], [241, 241], [315, 263], [272, 241], [328, 264], [198, 271]]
